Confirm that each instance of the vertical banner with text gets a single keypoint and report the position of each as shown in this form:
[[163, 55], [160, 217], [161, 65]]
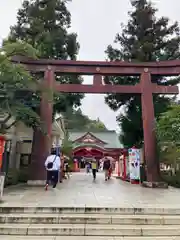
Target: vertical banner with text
[[134, 164]]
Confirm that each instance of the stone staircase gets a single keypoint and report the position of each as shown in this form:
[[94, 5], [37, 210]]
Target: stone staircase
[[66, 223]]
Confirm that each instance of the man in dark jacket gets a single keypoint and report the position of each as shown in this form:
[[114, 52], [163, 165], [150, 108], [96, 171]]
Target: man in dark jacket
[[106, 167]]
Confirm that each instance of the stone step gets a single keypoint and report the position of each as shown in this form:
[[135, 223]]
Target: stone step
[[89, 230], [89, 219], [90, 210], [8, 237]]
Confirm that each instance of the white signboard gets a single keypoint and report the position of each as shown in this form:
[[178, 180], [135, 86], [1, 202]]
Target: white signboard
[[134, 164], [2, 178]]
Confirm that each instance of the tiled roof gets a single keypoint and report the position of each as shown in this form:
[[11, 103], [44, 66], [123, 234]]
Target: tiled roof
[[110, 137]]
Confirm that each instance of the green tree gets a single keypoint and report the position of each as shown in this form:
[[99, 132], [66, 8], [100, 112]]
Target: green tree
[[75, 119], [44, 24], [96, 125], [168, 125], [168, 135], [15, 86], [67, 146], [144, 38]]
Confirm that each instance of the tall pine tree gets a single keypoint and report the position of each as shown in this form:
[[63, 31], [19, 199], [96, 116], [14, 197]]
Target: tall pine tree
[[44, 24], [145, 38]]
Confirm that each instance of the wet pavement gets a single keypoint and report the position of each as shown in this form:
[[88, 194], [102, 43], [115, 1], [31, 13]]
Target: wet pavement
[[80, 191]]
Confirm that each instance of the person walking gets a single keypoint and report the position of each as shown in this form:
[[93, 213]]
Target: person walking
[[88, 167], [106, 168], [52, 165], [94, 168], [66, 169], [62, 158], [110, 170]]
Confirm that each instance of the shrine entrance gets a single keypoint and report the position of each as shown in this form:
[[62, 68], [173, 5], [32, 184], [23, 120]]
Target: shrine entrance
[[88, 152], [99, 69], [97, 144], [83, 154]]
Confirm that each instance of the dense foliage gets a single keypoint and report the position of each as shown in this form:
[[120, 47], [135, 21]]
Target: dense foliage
[[168, 135], [44, 24], [168, 126], [144, 38], [67, 146], [75, 119], [16, 84]]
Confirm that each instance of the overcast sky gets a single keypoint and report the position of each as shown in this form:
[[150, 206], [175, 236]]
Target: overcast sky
[[96, 23]]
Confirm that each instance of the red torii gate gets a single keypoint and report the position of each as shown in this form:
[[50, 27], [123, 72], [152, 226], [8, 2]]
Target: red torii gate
[[146, 88]]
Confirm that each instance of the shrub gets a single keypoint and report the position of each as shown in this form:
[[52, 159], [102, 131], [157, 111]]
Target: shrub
[[172, 180], [23, 175]]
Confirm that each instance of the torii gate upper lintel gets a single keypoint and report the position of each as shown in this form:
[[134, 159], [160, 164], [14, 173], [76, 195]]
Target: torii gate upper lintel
[[98, 69]]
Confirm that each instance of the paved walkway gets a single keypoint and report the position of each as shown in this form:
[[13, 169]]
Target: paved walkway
[[80, 190]]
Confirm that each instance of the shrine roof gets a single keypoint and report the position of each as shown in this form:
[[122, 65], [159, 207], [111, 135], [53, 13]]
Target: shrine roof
[[110, 138]]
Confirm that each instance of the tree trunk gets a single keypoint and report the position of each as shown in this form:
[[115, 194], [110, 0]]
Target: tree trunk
[[39, 153]]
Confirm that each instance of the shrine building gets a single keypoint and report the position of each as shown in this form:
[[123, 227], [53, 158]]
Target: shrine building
[[95, 144]]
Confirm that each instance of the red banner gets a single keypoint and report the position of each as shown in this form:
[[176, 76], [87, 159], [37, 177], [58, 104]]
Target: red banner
[[2, 144]]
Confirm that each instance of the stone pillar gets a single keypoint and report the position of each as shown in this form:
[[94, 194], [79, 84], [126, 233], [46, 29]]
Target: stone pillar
[[149, 129], [42, 142]]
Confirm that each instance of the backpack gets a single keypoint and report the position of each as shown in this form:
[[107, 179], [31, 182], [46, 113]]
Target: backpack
[[50, 164]]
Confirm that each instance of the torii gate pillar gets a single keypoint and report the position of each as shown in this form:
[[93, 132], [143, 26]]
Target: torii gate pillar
[[42, 141], [148, 119]]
